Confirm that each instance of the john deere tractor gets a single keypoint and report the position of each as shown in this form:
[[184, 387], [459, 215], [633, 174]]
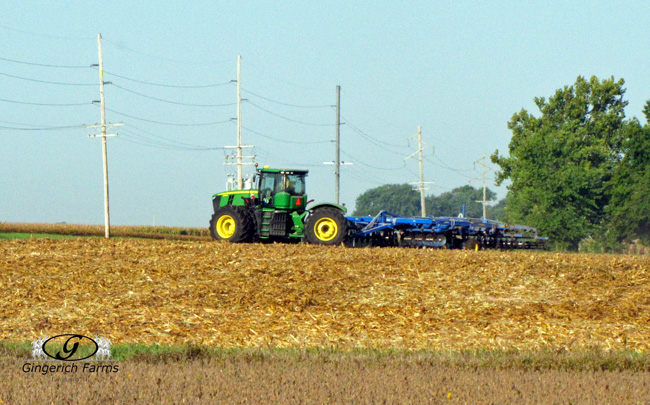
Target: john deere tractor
[[276, 211]]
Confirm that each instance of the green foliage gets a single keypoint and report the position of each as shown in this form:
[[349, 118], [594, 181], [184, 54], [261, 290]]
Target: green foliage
[[561, 163], [498, 211], [629, 208], [450, 204], [399, 199]]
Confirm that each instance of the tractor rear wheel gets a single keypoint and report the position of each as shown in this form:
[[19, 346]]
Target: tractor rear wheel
[[233, 224], [326, 226]]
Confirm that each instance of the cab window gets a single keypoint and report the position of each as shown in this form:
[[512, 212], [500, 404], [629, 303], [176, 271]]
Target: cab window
[[295, 184], [268, 185]]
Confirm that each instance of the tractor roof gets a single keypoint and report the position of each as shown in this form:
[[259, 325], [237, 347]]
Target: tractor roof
[[284, 171]]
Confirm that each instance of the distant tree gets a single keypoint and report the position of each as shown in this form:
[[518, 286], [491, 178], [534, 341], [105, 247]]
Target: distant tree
[[402, 199], [629, 207], [450, 204], [399, 199], [560, 164], [498, 211]]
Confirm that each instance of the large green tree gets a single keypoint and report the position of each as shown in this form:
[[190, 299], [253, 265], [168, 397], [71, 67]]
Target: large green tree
[[629, 207], [561, 162]]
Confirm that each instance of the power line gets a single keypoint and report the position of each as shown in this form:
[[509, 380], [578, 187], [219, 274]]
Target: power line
[[281, 80], [370, 138], [289, 162], [285, 104], [201, 124], [41, 128], [170, 101], [185, 144], [45, 81], [47, 35], [122, 47], [446, 166], [174, 86], [357, 160], [367, 176], [289, 119], [282, 140], [45, 104], [143, 140], [385, 146], [46, 65]]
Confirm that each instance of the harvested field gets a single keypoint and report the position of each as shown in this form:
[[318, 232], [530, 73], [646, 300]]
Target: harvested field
[[150, 232], [219, 294]]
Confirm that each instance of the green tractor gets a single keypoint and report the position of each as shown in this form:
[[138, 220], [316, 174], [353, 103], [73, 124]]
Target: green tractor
[[276, 211]]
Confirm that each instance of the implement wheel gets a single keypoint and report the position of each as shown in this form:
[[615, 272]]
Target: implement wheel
[[233, 224], [472, 244], [326, 226]]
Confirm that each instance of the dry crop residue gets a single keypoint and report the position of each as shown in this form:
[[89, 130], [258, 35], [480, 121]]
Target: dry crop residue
[[220, 294]]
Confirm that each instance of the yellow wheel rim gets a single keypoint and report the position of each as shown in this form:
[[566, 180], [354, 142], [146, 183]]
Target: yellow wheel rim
[[226, 226], [326, 229]]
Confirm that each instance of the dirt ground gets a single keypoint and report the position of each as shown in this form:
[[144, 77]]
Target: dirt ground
[[297, 296]]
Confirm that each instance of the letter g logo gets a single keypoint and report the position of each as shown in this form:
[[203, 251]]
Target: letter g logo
[[69, 345]]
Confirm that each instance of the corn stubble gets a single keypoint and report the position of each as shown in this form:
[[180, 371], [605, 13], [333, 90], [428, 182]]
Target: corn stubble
[[288, 296]]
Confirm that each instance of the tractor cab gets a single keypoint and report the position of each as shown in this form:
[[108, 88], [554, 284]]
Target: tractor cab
[[282, 189]]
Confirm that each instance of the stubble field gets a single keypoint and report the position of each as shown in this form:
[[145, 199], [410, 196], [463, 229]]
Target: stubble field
[[226, 295], [297, 297]]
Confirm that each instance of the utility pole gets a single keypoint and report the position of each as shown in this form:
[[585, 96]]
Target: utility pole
[[422, 202], [239, 146], [337, 161], [421, 182], [107, 222], [337, 170], [240, 180], [484, 201]]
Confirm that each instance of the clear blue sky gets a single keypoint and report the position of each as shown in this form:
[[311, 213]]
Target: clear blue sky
[[459, 69]]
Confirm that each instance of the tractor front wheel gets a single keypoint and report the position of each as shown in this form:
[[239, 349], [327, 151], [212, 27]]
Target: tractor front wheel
[[326, 226], [233, 224]]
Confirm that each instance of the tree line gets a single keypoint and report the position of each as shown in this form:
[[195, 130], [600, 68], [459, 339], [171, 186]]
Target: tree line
[[578, 170], [403, 200]]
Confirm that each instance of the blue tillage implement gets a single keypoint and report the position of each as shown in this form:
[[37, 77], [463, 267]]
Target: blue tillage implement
[[387, 229]]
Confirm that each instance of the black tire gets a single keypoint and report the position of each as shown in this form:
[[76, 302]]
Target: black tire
[[326, 226], [471, 244], [232, 224]]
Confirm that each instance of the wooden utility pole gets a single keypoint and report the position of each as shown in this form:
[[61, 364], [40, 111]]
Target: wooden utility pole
[[103, 125], [337, 159], [240, 180], [238, 156], [337, 171]]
